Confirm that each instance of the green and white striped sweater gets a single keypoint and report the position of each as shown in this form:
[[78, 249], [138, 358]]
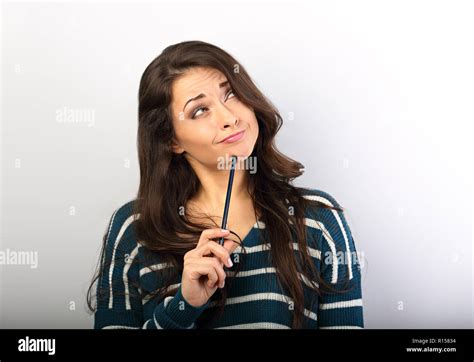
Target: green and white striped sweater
[[255, 300]]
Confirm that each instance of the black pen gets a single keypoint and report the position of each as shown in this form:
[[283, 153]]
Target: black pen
[[227, 198]]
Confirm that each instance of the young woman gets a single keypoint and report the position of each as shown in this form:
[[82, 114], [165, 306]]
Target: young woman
[[288, 260]]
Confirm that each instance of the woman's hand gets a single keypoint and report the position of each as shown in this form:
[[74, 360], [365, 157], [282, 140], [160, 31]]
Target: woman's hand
[[202, 275]]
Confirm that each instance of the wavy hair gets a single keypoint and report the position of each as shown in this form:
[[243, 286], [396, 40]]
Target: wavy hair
[[167, 181]]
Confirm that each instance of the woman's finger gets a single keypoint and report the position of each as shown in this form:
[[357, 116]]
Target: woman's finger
[[215, 263], [219, 251], [198, 269], [209, 234]]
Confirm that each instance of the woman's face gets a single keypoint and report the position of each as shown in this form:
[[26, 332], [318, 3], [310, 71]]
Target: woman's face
[[215, 113]]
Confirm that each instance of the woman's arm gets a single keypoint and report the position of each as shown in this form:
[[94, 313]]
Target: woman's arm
[[340, 268], [119, 304]]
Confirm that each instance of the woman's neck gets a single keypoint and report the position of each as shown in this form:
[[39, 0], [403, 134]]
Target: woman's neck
[[214, 183]]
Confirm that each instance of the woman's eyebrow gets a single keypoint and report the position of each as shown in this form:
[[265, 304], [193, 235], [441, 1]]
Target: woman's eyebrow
[[202, 95]]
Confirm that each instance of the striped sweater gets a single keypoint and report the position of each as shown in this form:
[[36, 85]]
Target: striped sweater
[[255, 300]]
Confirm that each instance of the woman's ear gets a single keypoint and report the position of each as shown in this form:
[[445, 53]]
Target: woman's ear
[[175, 147]]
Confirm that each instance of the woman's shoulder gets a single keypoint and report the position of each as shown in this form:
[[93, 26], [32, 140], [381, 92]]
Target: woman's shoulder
[[319, 196], [328, 216], [120, 229], [325, 213], [123, 212]]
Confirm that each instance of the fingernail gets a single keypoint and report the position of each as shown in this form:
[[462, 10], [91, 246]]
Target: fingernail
[[222, 285], [224, 230], [229, 263]]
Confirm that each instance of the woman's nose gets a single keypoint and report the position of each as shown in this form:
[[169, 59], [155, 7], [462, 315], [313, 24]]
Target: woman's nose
[[225, 116]]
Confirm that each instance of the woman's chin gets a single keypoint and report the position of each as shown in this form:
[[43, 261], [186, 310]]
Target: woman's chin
[[240, 152]]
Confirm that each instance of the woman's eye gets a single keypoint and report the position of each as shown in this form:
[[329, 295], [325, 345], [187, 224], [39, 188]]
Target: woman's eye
[[195, 113], [230, 92]]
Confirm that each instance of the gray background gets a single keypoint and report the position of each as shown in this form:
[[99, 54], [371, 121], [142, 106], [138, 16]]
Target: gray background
[[375, 101]]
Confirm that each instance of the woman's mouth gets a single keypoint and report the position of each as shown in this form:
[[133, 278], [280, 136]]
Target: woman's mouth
[[233, 138]]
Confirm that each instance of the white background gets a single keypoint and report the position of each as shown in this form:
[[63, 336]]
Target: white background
[[377, 101]]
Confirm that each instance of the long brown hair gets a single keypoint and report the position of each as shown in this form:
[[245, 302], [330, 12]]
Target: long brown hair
[[167, 181]]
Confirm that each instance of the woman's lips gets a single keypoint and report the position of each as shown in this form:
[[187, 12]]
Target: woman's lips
[[234, 138]]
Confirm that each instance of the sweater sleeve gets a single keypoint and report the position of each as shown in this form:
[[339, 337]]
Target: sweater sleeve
[[118, 294], [340, 269]]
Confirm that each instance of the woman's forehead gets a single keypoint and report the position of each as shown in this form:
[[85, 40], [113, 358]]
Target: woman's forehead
[[198, 77]]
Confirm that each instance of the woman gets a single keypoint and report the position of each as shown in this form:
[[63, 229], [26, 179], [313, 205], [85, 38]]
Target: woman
[[280, 263]]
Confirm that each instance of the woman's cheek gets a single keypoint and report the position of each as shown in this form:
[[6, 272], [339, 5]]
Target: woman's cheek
[[202, 136]]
